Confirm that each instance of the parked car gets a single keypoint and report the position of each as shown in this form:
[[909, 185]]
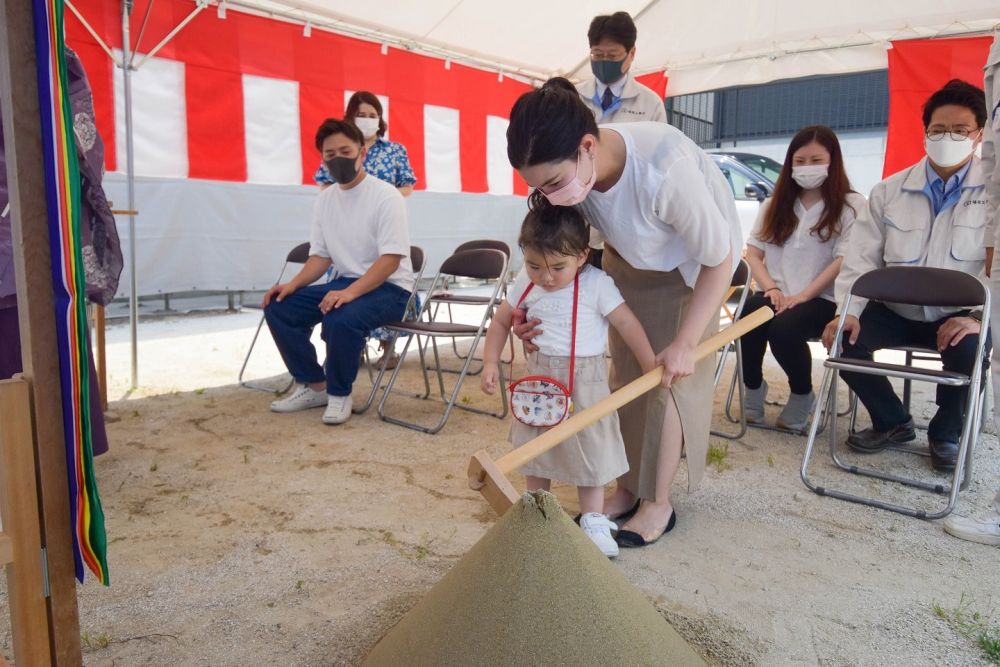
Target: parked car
[[750, 187], [763, 165]]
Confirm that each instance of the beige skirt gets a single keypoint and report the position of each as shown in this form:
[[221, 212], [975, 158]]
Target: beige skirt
[[660, 300], [596, 455]]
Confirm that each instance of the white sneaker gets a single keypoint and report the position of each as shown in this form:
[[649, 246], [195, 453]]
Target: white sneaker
[[338, 409], [984, 530], [302, 398], [598, 528]]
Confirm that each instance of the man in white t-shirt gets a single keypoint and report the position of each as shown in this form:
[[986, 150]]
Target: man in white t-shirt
[[359, 227]]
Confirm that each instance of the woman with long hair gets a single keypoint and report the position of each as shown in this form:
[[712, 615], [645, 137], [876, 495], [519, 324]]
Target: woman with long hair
[[672, 238], [795, 251]]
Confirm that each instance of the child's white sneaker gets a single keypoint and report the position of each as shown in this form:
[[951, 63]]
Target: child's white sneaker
[[598, 528], [338, 409], [302, 398]]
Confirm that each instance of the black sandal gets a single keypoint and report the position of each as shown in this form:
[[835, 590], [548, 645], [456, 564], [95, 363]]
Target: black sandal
[[633, 540], [625, 516]]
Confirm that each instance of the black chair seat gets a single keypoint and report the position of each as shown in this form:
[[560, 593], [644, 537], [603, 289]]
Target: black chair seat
[[434, 328]]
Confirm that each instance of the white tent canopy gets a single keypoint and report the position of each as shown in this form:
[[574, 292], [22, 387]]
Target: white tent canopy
[[701, 47]]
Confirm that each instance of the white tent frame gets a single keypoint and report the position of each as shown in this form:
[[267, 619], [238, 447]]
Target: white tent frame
[[859, 51]]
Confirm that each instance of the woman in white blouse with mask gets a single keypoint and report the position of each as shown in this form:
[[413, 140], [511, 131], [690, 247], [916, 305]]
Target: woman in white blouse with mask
[[795, 251]]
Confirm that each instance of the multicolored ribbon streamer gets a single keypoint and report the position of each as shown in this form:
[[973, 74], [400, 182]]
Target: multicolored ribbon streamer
[[62, 190]]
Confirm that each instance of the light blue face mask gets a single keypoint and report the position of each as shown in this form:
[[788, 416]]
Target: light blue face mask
[[607, 71]]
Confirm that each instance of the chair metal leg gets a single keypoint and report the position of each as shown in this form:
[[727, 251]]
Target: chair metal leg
[[246, 360], [960, 477], [737, 381], [450, 399], [376, 380]]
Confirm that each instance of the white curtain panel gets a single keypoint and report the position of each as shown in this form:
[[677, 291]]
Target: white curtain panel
[[499, 176], [271, 119], [441, 154], [159, 118]]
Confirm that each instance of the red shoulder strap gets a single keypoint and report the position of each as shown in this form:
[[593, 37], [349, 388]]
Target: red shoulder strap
[[572, 340]]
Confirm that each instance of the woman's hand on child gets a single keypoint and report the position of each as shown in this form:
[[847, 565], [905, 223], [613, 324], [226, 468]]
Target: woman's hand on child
[[677, 360], [525, 329], [489, 379]]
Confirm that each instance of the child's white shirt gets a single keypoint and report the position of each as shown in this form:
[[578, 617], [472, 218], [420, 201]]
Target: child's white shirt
[[599, 296]]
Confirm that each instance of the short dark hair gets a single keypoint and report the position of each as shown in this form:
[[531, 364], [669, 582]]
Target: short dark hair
[[332, 126], [555, 230], [364, 97], [548, 124], [617, 27], [961, 93]]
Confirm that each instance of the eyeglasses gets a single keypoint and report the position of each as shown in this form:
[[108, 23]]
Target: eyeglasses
[[608, 55], [953, 135]]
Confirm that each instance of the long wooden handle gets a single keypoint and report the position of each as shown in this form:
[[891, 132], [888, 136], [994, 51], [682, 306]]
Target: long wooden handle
[[581, 420]]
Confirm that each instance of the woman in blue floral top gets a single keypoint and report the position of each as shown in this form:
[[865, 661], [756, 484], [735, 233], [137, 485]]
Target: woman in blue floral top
[[385, 160]]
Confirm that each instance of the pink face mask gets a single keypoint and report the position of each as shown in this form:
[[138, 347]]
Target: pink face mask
[[574, 191]]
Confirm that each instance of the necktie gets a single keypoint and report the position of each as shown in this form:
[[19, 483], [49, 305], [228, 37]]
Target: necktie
[[607, 99]]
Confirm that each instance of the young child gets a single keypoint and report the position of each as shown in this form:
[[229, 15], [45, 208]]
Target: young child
[[554, 240]]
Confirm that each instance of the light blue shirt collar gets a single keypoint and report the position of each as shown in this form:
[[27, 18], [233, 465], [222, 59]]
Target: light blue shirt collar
[[944, 195]]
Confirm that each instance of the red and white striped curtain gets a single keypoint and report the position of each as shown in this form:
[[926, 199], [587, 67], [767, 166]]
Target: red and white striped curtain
[[917, 68], [239, 99]]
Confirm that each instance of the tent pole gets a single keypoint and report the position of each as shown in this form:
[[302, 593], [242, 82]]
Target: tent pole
[[133, 297], [36, 316]]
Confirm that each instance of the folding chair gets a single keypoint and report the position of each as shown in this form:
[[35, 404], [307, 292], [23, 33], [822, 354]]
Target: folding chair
[[410, 314], [484, 264], [919, 286], [741, 278], [449, 298], [298, 255]]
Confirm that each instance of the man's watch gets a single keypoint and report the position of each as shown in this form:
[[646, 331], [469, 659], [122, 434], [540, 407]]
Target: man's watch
[[977, 315]]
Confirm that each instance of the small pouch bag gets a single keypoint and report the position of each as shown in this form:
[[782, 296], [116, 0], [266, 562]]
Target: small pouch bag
[[538, 400]]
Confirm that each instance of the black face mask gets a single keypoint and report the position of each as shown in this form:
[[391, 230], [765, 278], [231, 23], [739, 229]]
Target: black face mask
[[342, 169]]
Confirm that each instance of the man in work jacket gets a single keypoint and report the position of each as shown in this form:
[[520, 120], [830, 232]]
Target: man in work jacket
[[931, 214], [613, 95]]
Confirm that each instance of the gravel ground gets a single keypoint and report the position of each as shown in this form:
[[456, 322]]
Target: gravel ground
[[239, 537]]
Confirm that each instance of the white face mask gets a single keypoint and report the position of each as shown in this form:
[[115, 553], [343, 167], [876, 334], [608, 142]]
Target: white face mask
[[947, 152], [810, 177], [368, 126]]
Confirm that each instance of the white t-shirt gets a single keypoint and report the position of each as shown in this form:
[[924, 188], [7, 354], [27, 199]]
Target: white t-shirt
[[672, 207], [598, 297], [804, 256], [353, 228]]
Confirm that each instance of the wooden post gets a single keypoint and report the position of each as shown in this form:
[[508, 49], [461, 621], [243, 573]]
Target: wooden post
[[19, 510], [32, 267], [102, 351]]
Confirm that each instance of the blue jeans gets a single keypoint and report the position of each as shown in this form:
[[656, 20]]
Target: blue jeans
[[344, 330]]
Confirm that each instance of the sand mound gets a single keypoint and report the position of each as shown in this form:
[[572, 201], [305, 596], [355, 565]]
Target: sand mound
[[533, 591]]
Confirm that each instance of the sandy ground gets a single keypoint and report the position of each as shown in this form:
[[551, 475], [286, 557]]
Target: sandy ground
[[240, 537]]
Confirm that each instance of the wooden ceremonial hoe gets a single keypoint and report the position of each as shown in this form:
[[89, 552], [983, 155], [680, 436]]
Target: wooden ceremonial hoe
[[489, 477]]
